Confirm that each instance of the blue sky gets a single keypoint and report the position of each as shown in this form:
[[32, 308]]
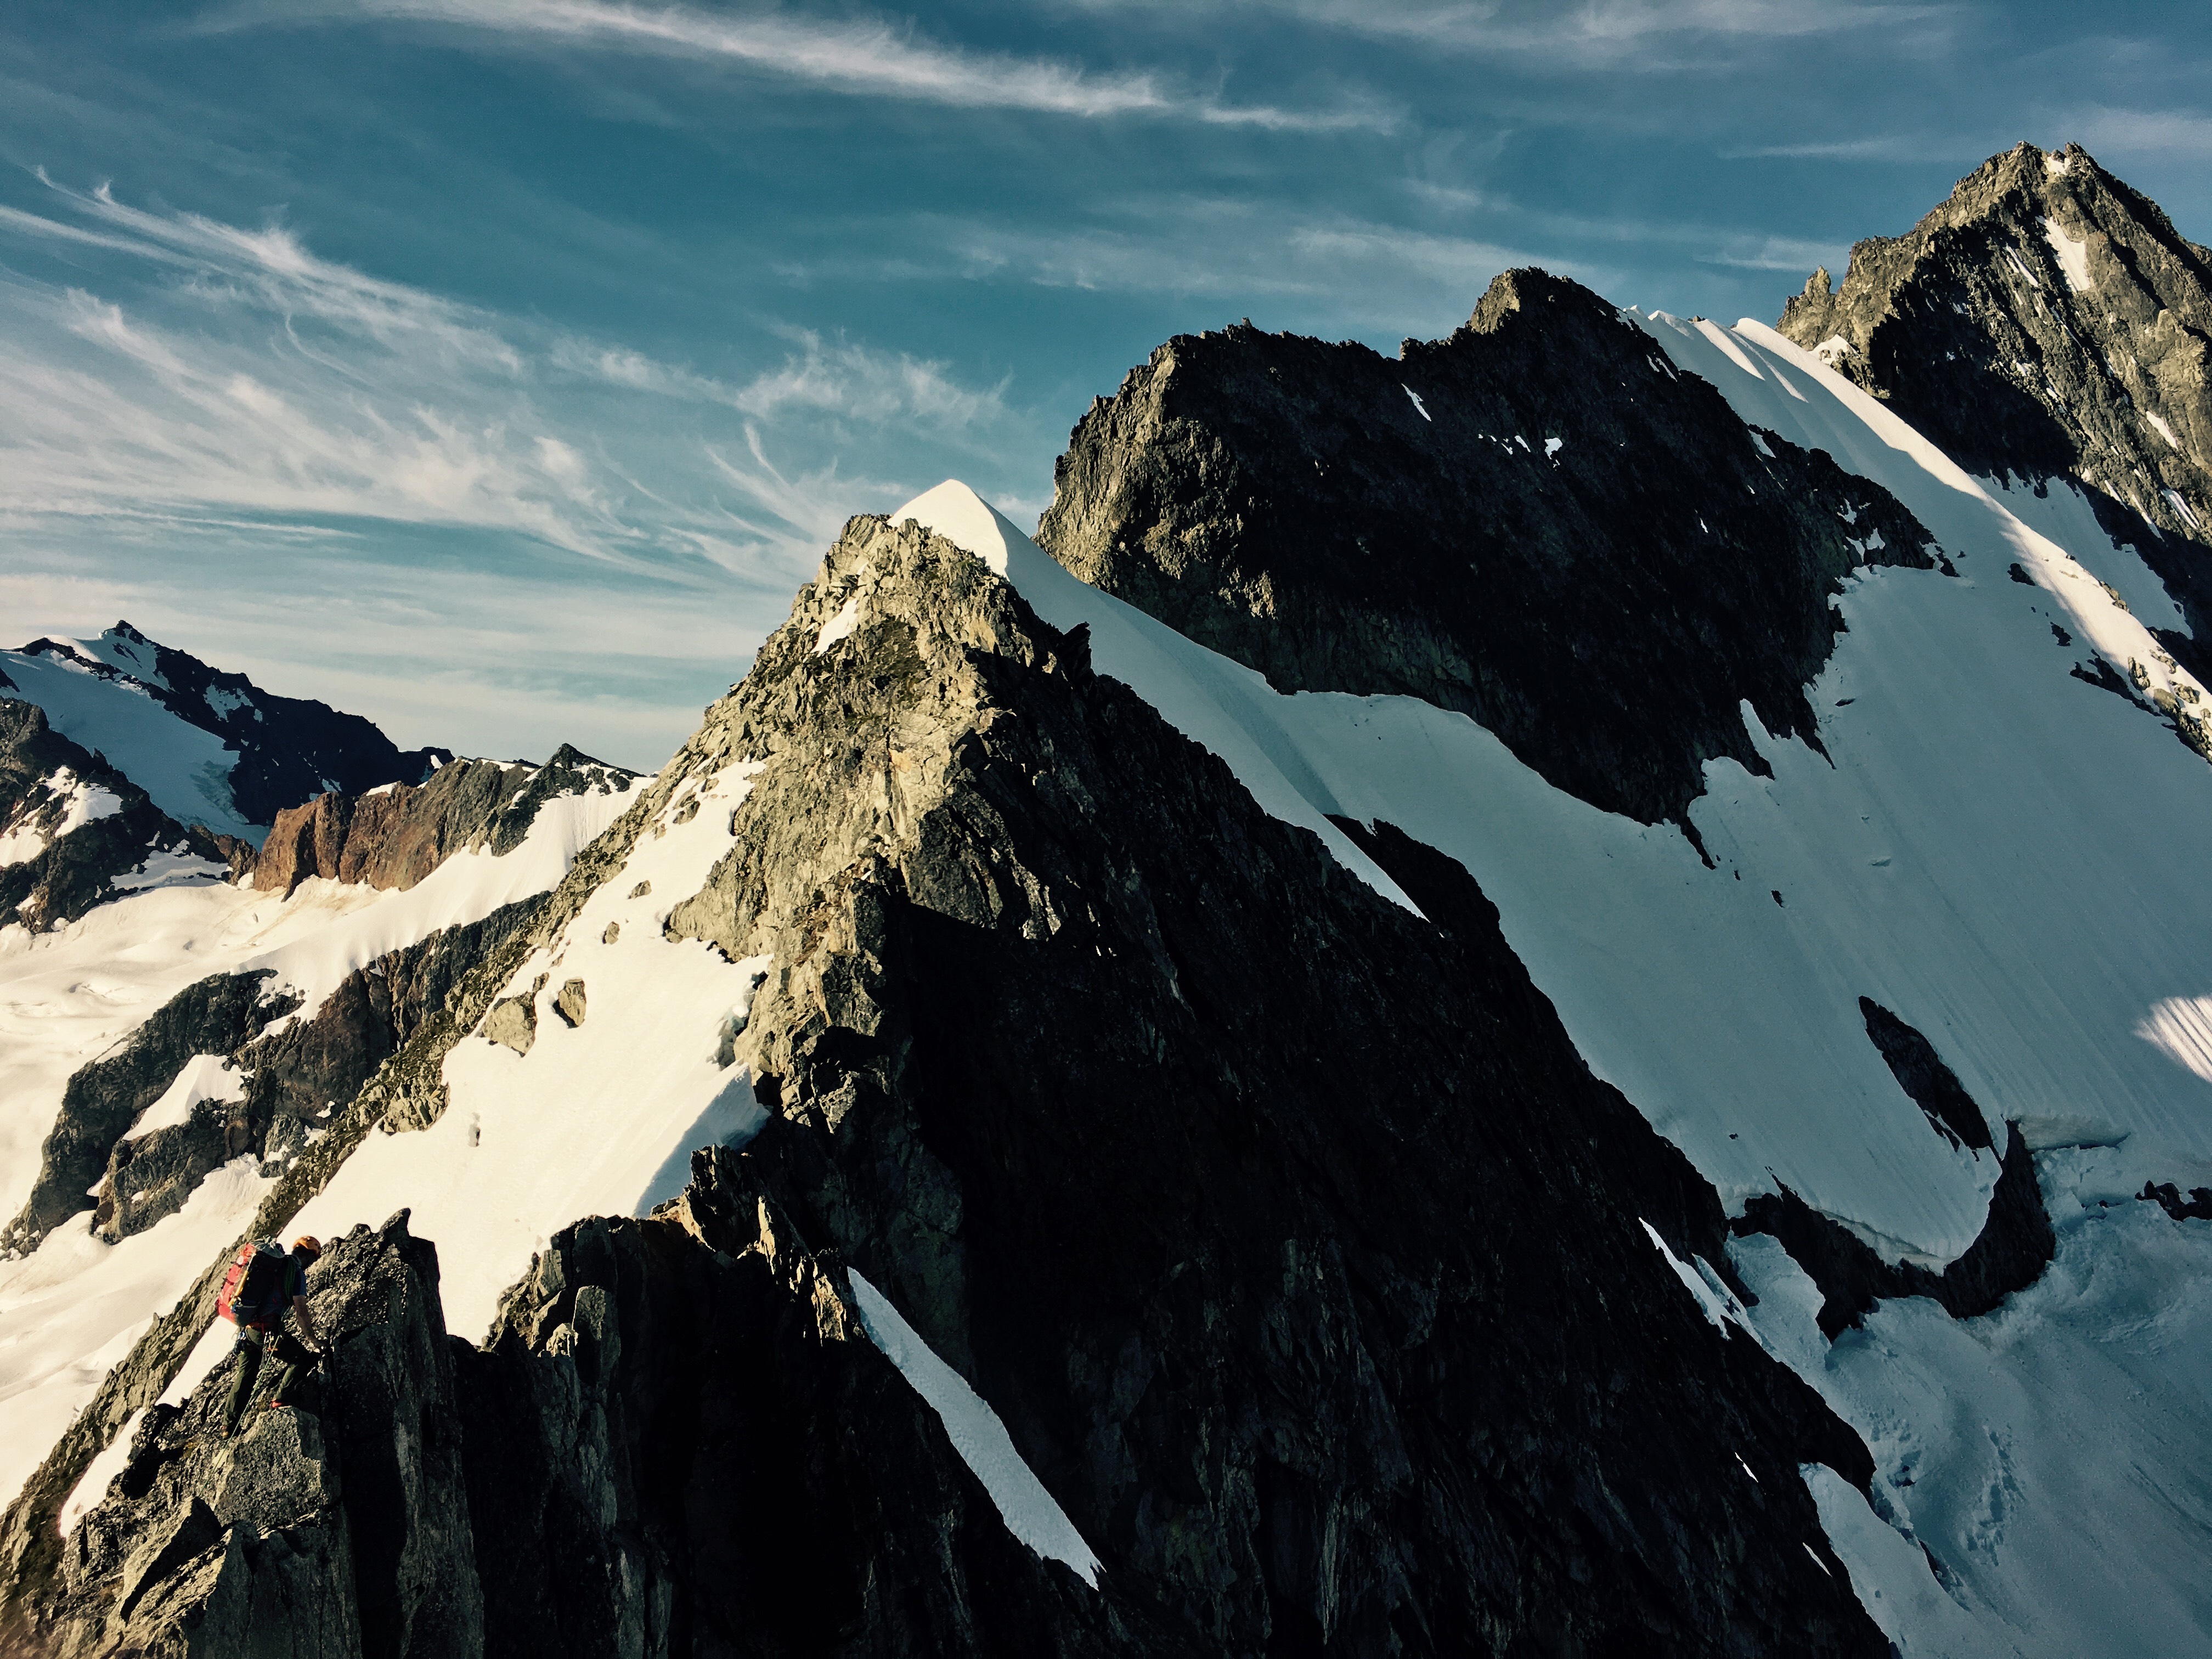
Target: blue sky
[[497, 368]]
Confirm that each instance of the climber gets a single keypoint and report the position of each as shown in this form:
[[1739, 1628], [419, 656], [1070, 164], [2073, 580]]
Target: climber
[[263, 1279]]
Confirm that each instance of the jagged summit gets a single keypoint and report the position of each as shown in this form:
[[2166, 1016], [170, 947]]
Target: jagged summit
[[1121, 1219], [2045, 320], [1536, 521]]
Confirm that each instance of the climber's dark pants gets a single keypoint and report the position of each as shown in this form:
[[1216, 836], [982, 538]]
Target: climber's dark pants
[[293, 1354]]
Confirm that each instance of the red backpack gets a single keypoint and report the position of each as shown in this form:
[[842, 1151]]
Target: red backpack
[[253, 1285]]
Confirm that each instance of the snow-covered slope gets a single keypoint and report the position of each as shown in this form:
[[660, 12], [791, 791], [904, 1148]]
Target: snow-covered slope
[[2009, 857], [598, 1118], [185, 769], [209, 746], [73, 1307]]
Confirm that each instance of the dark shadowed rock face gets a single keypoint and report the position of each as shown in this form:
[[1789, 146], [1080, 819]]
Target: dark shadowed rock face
[[1565, 539], [59, 865], [290, 749], [1973, 326], [2016, 1244], [397, 835], [1304, 1262], [680, 1440], [1239, 1191]]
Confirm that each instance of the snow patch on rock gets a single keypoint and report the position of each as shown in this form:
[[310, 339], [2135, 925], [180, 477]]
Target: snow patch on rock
[[839, 627], [205, 1077], [86, 803], [2073, 256], [1030, 1512]]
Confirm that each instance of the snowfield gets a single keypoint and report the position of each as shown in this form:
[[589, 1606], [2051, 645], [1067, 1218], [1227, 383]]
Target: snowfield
[[73, 1308], [597, 1119]]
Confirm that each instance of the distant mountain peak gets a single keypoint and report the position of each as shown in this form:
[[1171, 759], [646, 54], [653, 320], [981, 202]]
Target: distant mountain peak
[[268, 752], [2044, 320]]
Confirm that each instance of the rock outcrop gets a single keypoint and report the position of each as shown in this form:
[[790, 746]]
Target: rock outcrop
[[679, 1439], [339, 1527], [394, 836], [1537, 521], [2046, 321]]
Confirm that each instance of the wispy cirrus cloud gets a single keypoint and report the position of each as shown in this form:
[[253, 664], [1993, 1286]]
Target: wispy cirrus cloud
[[820, 376], [2162, 132], [865, 56], [252, 431], [1903, 146], [263, 378], [1284, 264], [1625, 33]]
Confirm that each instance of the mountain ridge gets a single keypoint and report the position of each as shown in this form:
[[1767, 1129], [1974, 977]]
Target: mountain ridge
[[1331, 1176]]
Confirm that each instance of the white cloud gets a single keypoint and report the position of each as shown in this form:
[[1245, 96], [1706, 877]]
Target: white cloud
[[1286, 266], [852, 55], [2135, 132], [1622, 32], [1911, 147], [482, 530], [1791, 253], [372, 400], [842, 378]]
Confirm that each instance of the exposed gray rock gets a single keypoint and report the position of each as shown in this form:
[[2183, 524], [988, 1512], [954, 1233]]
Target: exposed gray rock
[[512, 1022], [568, 1001], [1567, 539], [338, 1527]]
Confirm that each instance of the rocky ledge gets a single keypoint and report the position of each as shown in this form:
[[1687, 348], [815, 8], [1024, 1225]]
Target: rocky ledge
[[395, 835]]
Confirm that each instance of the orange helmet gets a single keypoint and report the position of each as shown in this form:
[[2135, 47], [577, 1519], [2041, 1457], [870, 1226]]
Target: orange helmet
[[307, 1244]]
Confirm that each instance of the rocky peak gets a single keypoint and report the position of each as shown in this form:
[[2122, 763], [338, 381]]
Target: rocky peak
[[2045, 320], [289, 749], [1026, 941], [1235, 1188], [1536, 520]]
